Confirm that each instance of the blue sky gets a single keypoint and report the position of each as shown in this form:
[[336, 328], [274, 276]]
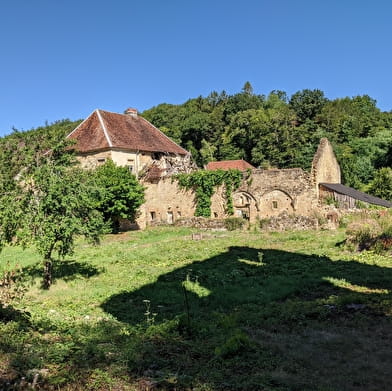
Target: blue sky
[[65, 58]]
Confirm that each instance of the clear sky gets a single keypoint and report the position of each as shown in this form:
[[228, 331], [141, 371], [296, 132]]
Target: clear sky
[[64, 58]]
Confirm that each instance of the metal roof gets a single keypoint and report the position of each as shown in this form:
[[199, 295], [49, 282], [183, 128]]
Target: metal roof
[[358, 195]]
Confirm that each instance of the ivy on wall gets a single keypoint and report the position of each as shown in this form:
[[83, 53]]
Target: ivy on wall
[[204, 183]]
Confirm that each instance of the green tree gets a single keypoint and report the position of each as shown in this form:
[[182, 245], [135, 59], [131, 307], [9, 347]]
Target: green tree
[[207, 152], [307, 103], [120, 194], [381, 185], [55, 203]]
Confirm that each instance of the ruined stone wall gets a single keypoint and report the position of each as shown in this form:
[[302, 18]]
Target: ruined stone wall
[[202, 223], [325, 167], [268, 193], [165, 203], [263, 194], [286, 222]]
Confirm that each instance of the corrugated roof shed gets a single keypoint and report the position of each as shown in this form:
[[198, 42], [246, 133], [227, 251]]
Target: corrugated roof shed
[[358, 195]]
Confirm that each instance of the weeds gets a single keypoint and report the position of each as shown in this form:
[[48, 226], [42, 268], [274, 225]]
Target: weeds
[[234, 223], [12, 286], [239, 311]]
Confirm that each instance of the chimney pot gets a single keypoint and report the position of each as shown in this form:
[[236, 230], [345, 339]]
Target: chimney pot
[[131, 111]]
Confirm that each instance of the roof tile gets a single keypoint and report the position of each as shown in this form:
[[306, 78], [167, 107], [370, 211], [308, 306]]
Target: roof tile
[[130, 132]]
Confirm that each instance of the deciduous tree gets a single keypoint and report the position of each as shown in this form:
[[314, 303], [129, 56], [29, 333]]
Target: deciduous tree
[[120, 194], [54, 205]]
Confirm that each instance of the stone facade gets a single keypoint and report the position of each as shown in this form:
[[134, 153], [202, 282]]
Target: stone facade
[[263, 194], [325, 167], [129, 140], [268, 193], [138, 162], [165, 203]]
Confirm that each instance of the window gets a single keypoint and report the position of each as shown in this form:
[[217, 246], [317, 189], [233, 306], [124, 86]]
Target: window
[[274, 204], [101, 160], [156, 155], [178, 213], [153, 215], [169, 217], [130, 165]]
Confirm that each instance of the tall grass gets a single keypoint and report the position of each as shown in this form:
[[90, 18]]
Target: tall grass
[[233, 311]]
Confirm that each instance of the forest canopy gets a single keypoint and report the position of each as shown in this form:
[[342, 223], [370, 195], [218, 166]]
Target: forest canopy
[[272, 130], [276, 130]]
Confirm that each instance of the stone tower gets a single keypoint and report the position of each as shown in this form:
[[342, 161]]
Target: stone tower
[[325, 167]]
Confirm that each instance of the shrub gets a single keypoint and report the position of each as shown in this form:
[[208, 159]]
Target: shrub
[[233, 223], [363, 234], [11, 287], [233, 345], [264, 223]]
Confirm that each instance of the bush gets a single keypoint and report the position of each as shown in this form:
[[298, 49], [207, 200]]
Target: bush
[[233, 345], [11, 287], [363, 234], [371, 234], [233, 223]]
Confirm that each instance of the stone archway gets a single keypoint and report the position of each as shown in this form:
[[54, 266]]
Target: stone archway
[[245, 205]]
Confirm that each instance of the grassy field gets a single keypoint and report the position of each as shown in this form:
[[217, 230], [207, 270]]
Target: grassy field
[[156, 310]]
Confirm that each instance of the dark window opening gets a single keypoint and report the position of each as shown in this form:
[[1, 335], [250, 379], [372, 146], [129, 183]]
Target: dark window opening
[[156, 155]]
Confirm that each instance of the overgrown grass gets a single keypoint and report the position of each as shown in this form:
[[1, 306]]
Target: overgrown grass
[[233, 311]]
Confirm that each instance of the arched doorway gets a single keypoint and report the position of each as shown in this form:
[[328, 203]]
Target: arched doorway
[[245, 206]]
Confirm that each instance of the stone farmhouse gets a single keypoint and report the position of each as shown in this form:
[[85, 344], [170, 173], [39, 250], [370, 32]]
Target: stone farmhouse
[[130, 140]]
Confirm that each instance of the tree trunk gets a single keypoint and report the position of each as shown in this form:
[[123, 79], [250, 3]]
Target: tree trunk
[[47, 281]]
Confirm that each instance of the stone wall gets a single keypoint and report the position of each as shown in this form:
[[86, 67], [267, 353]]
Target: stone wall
[[268, 193], [202, 223], [262, 194], [285, 222], [136, 161], [165, 203], [325, 167]]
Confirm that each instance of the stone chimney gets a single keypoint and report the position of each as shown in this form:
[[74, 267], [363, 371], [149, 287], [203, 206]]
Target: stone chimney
[[130, 111]]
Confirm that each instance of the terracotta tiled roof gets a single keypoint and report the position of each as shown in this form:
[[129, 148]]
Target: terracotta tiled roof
[[241, 165], [105, 130]]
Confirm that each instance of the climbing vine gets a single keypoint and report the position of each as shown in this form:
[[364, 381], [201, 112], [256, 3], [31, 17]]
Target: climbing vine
[[204, 184]]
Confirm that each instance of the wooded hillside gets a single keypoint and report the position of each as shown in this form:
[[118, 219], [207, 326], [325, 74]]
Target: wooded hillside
[[275, 130], [272, 130]]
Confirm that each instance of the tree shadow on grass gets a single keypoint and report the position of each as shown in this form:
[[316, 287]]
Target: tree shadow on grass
[[11, 314], [248, 315], [246, 276], [66, 270]]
